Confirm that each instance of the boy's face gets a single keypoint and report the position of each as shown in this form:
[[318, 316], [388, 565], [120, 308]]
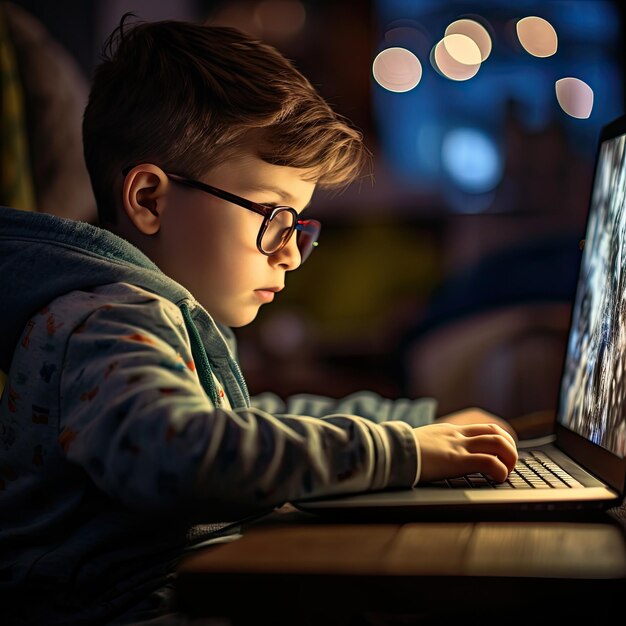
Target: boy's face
[[207, 244]]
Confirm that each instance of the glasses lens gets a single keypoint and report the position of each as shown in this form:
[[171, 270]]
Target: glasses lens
[[308, 234], [278, 231]]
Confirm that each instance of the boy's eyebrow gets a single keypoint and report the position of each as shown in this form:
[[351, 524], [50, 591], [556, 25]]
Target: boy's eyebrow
[[283, 194]]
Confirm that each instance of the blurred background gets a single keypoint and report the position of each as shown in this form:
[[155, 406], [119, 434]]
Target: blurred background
[[451, 272]]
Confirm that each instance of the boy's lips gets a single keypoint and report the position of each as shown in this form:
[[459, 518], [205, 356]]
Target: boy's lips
[[267, 293]]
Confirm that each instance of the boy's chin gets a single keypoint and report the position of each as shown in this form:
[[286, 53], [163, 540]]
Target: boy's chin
[[239, 324], [237, 320]]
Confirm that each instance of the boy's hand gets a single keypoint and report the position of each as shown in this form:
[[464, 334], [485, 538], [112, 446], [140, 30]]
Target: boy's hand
[[477, 416], [449, 450]]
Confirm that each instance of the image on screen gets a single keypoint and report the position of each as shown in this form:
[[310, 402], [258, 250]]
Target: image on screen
[[593, 393]]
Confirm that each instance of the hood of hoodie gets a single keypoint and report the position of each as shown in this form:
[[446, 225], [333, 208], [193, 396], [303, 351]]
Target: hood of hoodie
[[44, 256]]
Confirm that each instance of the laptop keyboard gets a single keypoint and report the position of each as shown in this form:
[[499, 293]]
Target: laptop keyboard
[[533, 470]]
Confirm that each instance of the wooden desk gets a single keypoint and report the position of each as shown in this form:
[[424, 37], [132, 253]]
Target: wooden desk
[[293, 568]]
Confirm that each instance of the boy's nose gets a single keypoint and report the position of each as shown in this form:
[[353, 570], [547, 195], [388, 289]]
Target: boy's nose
[[288, 257]]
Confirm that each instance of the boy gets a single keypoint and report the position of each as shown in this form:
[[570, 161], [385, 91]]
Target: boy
[[126, 423]]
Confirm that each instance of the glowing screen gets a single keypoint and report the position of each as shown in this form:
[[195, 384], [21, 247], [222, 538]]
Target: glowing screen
[[593, 392]]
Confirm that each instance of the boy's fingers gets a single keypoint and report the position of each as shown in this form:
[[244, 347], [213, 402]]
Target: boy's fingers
[[494, 445], [491, 466], [473, 430], [487, 464]]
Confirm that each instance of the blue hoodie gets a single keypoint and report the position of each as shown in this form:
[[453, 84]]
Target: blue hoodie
[[127, 434]]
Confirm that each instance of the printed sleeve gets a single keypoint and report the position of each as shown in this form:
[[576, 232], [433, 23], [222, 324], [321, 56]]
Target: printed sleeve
[[136, 419], [366, 404]]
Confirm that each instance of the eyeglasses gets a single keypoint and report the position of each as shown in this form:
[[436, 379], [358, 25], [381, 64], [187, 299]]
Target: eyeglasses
[[279, 223]]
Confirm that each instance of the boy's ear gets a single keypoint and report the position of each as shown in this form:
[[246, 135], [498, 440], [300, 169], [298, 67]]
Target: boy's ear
[[144, 194]]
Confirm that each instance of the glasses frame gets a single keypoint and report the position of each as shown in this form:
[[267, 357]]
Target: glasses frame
[[268, 213]]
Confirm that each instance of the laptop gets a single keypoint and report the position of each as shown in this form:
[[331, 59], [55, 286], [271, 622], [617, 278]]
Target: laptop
[[585, 460]]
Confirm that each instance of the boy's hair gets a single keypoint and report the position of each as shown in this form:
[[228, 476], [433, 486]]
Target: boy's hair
[[188, 96]]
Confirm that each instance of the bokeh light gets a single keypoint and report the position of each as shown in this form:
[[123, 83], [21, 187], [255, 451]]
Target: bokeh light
[[397, 69], [471, 159], [574, 96], [475, 31], [456, 57], [537, 36]]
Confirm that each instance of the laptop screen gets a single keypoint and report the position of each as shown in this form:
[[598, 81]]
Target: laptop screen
[[593, 390]]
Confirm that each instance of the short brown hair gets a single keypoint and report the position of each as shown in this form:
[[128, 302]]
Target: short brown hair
[[186, 96]]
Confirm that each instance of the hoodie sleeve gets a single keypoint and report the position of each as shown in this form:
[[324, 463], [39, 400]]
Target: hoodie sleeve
[[366, 404], [135, 417]]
